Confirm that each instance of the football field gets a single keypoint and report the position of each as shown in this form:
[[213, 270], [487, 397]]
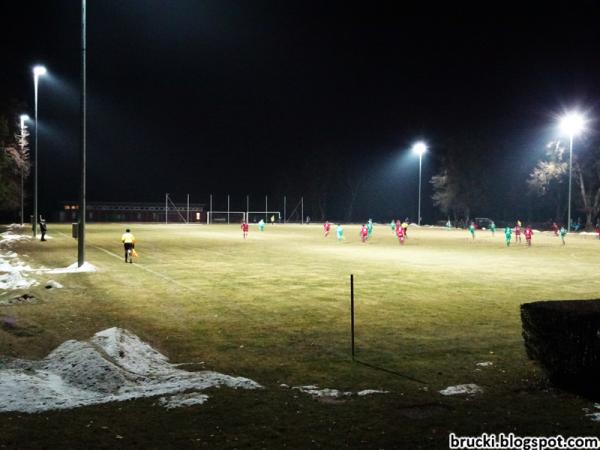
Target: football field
[[440, 311]]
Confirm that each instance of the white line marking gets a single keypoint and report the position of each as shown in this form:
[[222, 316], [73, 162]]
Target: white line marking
[[164, 277]]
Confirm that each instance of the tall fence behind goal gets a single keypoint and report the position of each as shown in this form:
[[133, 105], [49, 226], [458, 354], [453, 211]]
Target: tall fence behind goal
[[225, 217]]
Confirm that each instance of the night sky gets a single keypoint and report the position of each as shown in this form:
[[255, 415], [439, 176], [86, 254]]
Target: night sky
[[231, 97]]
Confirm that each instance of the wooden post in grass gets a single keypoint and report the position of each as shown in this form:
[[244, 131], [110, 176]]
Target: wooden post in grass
[[352, 312]]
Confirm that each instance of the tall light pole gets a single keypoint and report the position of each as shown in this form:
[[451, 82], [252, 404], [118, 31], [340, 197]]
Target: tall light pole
[[82, 158], [23, 143], [419, 148], [571, 124], [38, 71]]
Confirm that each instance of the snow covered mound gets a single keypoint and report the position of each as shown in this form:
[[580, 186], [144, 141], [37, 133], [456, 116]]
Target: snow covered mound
[[114, 365], [462, 389], [74, 268], [8, 237], [315, 392]]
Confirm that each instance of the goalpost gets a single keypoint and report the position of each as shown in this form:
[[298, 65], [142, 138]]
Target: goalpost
[[225, 217]]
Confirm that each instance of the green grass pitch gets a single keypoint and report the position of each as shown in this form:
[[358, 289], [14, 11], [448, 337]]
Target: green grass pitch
[[275, 308]]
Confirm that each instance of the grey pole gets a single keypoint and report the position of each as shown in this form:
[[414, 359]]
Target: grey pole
[[188, 208], [266, 208], [210, 210], [83, 156], [167, 208], [35, 156], [302, 211], [570, 170], [247, 208], [284, 205], [419, 211]]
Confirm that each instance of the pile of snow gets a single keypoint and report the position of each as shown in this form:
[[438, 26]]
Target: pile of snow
[[485, 364], [51, 284], [462, 389], [12, 269], [371, 392], [594, 417], [113, 365], [179, 400], [315, 392], [74, 268], [8, 237]]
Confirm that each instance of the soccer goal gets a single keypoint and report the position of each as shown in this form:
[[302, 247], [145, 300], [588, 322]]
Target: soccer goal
[[256, 216], [225, 217]]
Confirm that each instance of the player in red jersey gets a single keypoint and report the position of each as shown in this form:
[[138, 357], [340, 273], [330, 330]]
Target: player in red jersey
[[528, 234], [364, 233], [400, 234], [245, 229], [518, 232], [326, 228], [555, 228]]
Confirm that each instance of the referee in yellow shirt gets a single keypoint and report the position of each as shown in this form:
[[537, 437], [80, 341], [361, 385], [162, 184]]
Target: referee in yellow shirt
[[128, 240]]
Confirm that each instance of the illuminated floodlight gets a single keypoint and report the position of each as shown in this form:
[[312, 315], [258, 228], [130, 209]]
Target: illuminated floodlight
[[572, 123], [24, 117], [39, 71], [419, 148]]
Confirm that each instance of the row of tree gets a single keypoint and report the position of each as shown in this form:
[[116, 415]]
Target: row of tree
[[15, 163], [466, 182]]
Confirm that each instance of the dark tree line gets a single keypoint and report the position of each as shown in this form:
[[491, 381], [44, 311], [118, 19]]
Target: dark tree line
[[14, 158]]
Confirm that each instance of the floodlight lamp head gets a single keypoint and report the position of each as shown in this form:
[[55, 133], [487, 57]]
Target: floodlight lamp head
[[39, 71], [572, 123], [419, 148], [24, 117]]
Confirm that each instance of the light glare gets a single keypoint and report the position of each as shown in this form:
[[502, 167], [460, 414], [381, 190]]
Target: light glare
[[24, 117], [572, 123], [419, 148], [39, 71]]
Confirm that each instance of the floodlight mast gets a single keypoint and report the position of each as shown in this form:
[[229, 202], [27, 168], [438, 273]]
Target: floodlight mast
[[82, 159], [571, 124], [38, 71], [419, 148]]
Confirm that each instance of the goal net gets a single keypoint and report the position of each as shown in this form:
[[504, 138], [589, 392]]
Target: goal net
[[256, 216], [225, 217]]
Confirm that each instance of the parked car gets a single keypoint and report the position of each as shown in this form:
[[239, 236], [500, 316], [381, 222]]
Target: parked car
[[482, 222]]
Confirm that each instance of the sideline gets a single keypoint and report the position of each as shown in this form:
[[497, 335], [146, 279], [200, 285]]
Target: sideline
[[158, 274]]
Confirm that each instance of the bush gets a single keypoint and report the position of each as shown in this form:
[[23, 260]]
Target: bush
[[564, 338]]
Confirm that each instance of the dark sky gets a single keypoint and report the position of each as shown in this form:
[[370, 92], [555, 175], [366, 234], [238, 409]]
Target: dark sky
[[230, 96]]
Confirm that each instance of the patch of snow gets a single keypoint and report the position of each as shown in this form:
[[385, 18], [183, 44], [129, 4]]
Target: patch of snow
[[371, 392], [594, 417], [588, 233], [179, 400], [8, 237], [51, 284], [113, 365], [315, 392], [462, 389], [15, 280], [15, 226], [73, 268], [485, 364]]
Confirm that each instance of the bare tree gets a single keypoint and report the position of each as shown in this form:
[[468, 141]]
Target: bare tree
[[548, 177]]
